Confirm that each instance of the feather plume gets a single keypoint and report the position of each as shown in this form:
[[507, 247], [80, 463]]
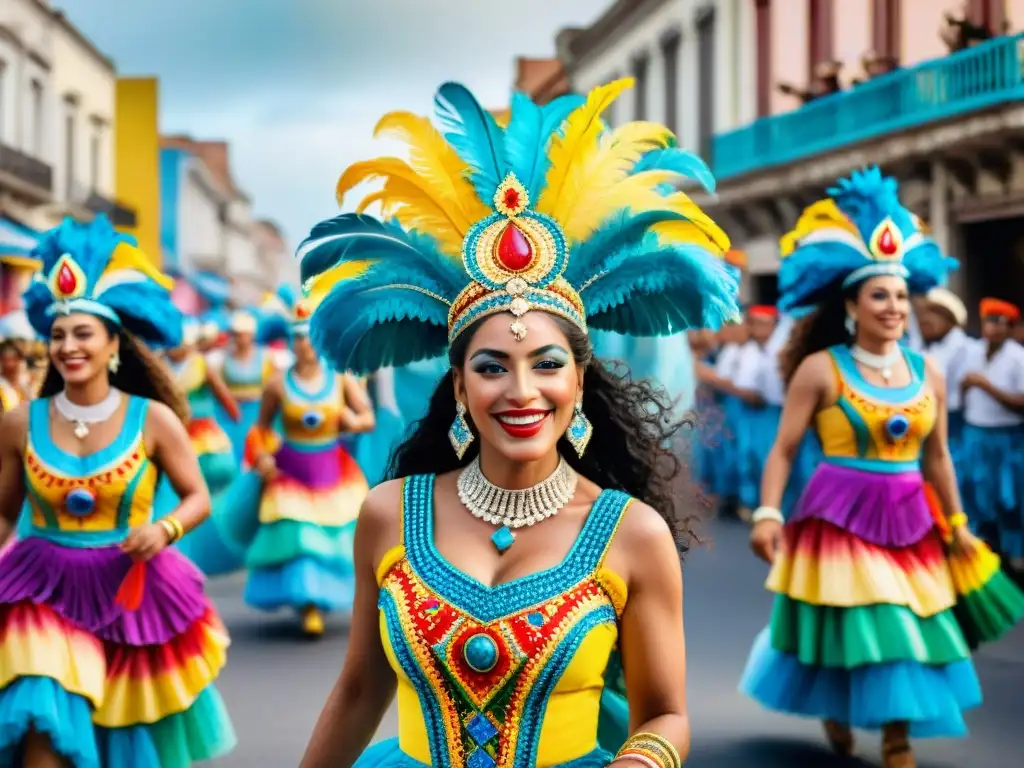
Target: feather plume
[[686, 164], [570, 150], [636, 193], [528, 136], [475, 135], [436, 161], [424, 215], [418, 190], [681, 203]]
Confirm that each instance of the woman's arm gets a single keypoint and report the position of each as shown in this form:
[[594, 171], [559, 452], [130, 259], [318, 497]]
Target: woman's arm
[[357, 415], [13, 429], [937, 463], [651, 639], [366, 684], [170, 448], [222, 392]]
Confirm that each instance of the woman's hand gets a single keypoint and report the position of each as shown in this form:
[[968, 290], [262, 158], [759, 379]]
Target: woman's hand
[[963, 542], [146, 541], [765, 538], [266, 467]]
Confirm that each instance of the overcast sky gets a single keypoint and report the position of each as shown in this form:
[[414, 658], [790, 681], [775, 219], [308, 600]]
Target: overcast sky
[[296, 86]]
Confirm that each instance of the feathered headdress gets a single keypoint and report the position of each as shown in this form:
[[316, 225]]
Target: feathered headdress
[[860, 231], [554, 212], [275, 315], [93, 269]]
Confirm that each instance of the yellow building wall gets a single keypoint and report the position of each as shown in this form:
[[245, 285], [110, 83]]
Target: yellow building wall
[[137, 158]]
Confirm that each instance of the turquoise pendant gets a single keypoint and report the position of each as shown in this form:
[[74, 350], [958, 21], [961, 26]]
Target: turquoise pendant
[[503, 538]]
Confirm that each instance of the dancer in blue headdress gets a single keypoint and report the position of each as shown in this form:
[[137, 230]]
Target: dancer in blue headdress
[[880, 594], [506, 248], [110, 647]]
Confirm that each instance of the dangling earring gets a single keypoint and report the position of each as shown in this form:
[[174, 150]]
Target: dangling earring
[[114, 362], [851, 325], [580, 430], [460, 434]]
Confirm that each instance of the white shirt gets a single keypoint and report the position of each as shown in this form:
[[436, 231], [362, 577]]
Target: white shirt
[[914, 341], [1006, 372], [215, 359], [751, 360], [728, 358], [769, 380], [950, 354]]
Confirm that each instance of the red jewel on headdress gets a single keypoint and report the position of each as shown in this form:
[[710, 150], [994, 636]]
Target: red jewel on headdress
[[514, 249], [66, 280], [512, 198], [887, 243]]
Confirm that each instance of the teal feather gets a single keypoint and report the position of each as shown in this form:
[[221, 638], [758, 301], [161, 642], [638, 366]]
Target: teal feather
[[360, 330], [528, 137], [475, 135], [679, 161], [623, 229]]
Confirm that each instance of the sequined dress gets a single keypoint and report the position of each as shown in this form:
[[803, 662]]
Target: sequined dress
[[512, 675]]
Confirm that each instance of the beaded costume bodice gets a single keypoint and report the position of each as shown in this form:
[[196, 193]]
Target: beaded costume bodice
[[94, 500], [876, 428], [190, 374], [499, 676], [310, 418], [246, 378]]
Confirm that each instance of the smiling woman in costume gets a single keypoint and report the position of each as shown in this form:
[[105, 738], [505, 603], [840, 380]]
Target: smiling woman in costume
[[875, 613], [497, 576], [110, 648]]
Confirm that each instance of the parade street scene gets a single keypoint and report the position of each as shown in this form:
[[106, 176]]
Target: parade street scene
[[590, 384]]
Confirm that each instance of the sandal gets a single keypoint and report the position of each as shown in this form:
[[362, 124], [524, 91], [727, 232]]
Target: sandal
[[897, 752], [840, 737]]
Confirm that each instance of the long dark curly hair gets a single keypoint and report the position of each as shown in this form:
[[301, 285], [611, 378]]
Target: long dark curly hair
[[631, 449], [141, 373], [823, 328]]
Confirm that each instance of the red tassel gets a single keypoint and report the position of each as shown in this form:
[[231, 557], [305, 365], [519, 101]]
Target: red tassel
[[935, 507], [129, 594]]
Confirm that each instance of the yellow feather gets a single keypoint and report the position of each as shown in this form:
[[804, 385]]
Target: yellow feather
[[636, 193], [436, 161], [681, 203], [400, 201], [316, 289], [130, 257], [685, 232], [571, 149], [370, 199]]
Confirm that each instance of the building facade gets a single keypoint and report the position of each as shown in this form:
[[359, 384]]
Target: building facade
[[930, 90]]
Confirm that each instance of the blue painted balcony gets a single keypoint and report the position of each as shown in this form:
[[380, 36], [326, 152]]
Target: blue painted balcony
[[982, 77]]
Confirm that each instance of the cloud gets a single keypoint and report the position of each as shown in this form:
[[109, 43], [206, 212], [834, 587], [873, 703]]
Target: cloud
[[297, 87]]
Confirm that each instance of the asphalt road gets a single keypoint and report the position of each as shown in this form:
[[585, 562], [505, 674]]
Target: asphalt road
[[276, 682]]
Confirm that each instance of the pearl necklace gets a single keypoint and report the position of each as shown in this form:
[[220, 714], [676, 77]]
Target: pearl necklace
[[514, 509], [84, 415], [881, 363]]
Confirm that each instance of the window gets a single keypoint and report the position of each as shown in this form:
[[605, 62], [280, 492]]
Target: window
[[819, 46], [706, 81], [763, 54], [990, 14], [641, 64], [670, 54], [885, 28], [36, 135], [69, 153]]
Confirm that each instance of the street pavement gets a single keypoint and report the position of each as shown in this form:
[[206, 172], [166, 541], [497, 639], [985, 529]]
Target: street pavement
[[276, 681]]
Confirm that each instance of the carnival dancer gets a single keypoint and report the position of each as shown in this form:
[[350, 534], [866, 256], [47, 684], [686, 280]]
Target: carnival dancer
[[942, 317], [992, 454], [754, 421], [12, 363], [246, 368], [110, 647], [499, 644], [305, 489], [203, 386], [874, 618]]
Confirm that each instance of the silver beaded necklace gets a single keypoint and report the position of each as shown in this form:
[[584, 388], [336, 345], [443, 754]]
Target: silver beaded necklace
[[514, 509]]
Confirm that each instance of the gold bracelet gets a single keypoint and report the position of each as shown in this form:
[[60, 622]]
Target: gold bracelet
[[169, 529], [956, 520], [171, 524], [653, 746]]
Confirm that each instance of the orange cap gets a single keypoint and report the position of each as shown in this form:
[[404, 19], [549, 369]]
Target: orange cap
[[1000, 308], [736, 258], [763, 310]]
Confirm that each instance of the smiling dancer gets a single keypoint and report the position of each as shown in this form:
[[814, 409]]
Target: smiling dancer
[[495, 618], [110, 648], [245, 367], [873, 619]]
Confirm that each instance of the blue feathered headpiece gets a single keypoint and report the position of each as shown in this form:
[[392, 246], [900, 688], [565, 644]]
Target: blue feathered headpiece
[[93, 269], [553, 212], [275, 316], [860, 231]]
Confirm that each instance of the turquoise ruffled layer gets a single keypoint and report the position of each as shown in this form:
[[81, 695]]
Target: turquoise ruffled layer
[[300, 583], [202, 732], [218, 469], [386, 754], [211, 551], [286, 540], [930, 698]]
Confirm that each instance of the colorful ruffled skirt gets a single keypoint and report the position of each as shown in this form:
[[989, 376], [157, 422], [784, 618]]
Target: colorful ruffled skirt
[[991, 474], [873, 620], [110, 688], [297, 530]]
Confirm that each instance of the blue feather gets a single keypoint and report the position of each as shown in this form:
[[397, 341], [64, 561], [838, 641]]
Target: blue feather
[[679, 161], [621, 230], [812, 269], [528, 137], [361, 330], [475, 135]]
